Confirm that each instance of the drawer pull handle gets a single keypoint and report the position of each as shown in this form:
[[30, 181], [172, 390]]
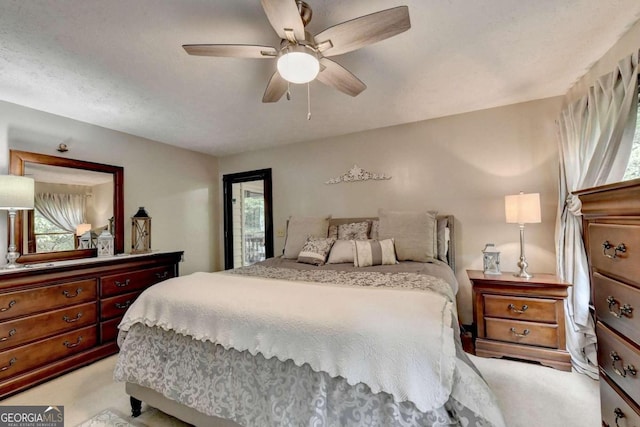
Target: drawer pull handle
[[619, 415], [11, 333], [620, 248], [11, 304], [624, 310], [11, 363], [122, 284], [75, 344], [122, 306], [68, 294], [518, 310], [522, 335], [72, 319], [162, 275], [623, 373]]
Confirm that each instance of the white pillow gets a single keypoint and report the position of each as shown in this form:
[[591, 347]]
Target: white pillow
[[414, 233], [299, 228], [341, 252], [373, 252]]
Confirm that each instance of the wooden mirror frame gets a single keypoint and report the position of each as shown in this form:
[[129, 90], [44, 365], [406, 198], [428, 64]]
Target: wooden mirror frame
[[17, 160]]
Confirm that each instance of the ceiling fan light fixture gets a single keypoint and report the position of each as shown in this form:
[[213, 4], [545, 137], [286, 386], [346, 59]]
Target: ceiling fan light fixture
[[298, 64]]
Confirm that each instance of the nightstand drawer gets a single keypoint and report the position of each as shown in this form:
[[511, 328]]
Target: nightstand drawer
[[620, 360], [625, 263], [617, 305], [508, 307], [531, 333]]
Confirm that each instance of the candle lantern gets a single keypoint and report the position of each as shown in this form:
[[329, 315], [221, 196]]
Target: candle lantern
[[104, 243], [140, 232], [490, 259]]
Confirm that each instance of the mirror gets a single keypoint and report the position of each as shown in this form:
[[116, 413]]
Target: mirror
[[96, 188]]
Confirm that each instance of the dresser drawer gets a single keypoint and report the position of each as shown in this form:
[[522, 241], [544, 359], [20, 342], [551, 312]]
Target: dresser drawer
[[624, 265], [116, 306], [616, 410], [619, 360], [25, 329], [109, 330], [532, 333], [519, 308], [39, 353], [617, 305], [135, 280], [20, 303]]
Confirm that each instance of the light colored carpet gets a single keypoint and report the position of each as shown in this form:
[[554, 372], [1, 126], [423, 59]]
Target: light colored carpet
[[530, 395]]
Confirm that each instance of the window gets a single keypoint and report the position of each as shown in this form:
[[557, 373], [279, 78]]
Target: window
[[633, 167], [50, 237]]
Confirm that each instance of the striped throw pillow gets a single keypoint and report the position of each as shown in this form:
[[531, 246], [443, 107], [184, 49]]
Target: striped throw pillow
[[373, 252]]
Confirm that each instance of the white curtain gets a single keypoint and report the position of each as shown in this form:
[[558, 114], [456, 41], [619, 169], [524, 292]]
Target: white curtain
[[596, 137], [64, 210]]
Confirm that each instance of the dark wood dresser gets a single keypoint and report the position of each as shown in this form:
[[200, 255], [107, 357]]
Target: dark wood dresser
[[57, 318], [611, 220]]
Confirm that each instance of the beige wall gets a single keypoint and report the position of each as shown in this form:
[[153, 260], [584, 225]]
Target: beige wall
[[177, 187], [462, 165]]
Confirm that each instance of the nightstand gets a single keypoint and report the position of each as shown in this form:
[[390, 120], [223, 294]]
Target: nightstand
[[520, 318]]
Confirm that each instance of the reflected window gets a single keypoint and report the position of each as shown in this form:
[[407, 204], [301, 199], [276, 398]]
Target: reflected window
[[50, 237]]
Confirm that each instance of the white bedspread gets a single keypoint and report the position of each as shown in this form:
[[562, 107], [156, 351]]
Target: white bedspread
[[395, 340]]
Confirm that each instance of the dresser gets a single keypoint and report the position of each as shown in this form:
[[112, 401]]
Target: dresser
[[520, 318], [611, 221], [58, 317]]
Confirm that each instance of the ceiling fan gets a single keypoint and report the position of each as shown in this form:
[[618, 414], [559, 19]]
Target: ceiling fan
[[303, 57]]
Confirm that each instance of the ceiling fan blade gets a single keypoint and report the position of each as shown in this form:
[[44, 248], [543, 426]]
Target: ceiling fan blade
[[362, 31], [232, 50], [335, 75], [275, 89], [284, 15]]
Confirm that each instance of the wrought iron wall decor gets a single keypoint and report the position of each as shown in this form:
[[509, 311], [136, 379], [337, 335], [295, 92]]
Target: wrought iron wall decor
[[356, 173]]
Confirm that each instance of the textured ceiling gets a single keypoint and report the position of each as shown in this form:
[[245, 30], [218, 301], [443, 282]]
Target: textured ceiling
[[120, 64]]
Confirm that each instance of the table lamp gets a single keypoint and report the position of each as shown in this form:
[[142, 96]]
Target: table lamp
[[16, 193], [522, 209]]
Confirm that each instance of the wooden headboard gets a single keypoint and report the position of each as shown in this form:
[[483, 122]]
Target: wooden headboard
[[448, 220]]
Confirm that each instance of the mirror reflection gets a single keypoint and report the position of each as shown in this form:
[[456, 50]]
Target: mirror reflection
[[72, 207]]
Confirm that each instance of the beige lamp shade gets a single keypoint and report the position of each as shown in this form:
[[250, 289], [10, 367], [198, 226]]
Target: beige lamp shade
[[82, 228], [16, 192], [522, 208]]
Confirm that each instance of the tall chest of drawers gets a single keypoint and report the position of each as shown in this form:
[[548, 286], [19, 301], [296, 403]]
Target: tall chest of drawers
[[58, 318], [611, 221]]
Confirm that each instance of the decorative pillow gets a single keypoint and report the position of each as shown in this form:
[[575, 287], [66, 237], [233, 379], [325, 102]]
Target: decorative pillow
[[341, 252], [298, 229], [442, 240], [373, 252], [354, 231], [315, 250], [333, 232], [413, 232], [373, 233]]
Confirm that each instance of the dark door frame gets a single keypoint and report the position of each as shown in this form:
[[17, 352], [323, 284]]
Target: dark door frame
[[235, 178]]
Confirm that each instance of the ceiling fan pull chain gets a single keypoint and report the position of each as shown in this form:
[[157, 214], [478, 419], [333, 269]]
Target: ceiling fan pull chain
[[288, 91], [308, 101]]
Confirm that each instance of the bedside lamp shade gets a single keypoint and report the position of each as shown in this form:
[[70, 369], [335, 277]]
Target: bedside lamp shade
[[16, 192], [522, 209]]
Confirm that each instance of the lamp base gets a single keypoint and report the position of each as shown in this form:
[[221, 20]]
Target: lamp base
[[522, 265], [12, 256]]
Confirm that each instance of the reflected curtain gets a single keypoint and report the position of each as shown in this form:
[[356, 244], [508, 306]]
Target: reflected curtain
[[64, 210], [595, 138]]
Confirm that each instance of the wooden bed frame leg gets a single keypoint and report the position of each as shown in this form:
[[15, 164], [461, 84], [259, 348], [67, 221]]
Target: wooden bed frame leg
[[136, 407]]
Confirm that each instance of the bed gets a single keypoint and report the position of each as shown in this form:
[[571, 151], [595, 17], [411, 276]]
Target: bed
[[288, 343]]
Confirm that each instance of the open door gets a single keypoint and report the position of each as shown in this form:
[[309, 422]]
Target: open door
[[248, 218]]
